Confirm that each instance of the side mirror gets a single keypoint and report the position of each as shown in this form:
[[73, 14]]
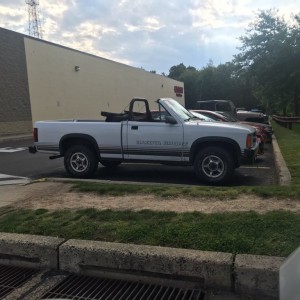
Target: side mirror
[[170, 120]]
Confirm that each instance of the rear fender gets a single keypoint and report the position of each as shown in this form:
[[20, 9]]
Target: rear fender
[[78, 139]]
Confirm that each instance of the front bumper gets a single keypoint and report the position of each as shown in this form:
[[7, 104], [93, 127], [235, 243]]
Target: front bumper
[[249, 155], [32, 149], [269, 137]]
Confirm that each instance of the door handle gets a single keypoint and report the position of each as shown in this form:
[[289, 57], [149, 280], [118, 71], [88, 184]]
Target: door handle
[[134, 127]]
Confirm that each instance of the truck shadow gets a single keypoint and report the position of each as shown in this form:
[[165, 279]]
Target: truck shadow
[[247, 176]]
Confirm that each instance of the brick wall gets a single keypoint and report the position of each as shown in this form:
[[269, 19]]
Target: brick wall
[[15, 111]]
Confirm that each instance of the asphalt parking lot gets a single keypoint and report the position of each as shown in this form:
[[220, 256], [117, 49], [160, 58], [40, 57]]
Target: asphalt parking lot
[[15, 161]]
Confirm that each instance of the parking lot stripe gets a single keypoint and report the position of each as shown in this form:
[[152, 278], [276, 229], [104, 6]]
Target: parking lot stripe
[[245, 167], [11, 150], [9, 179]]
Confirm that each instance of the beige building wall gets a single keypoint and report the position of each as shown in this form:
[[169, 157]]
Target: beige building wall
[[57, 91]]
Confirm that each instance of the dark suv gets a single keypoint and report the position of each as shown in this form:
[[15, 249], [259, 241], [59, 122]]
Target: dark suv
[[217, 105]]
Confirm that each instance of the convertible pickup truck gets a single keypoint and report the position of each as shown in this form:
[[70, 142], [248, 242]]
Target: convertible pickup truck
[[167, 134]]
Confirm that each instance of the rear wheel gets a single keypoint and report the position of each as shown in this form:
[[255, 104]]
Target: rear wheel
[[80, 161], [214, 165]]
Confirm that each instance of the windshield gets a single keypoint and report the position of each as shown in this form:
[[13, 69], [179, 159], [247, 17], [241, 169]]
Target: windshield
[[180, 110]]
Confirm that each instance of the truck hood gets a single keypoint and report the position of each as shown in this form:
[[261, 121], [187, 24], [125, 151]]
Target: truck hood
[[222, 126]]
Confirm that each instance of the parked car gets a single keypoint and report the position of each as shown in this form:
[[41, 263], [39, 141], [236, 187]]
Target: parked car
[[251, 116], [265, 128], [216, 105], [211, 114], [227, 117], [202, 117], [219, 116]]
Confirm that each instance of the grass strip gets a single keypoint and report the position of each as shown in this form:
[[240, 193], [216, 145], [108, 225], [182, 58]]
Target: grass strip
[[221, 193], [289, 143], [274, 233]]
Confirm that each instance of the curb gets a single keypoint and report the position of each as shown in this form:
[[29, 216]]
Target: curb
[[73, 180], [30, 251], [243, 275], [284, 175]]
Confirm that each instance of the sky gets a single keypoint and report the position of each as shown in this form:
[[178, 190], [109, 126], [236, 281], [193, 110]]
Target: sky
[[152, 34]]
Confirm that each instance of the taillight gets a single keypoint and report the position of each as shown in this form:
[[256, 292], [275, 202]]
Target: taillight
[[249, 142], [35, 135]]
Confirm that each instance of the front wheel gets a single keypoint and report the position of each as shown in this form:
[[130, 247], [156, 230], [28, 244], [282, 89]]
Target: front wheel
[[80, 161], [214, 165]]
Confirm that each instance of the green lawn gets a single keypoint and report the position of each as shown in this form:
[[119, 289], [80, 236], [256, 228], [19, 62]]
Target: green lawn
[[296, 128], [273, 233], [289, 142]]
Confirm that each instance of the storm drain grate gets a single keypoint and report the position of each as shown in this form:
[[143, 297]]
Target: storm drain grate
[[12, 278], [90, 288]]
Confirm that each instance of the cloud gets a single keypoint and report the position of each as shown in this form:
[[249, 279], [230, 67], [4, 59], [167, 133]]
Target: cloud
[[13, 15], [152, 34]]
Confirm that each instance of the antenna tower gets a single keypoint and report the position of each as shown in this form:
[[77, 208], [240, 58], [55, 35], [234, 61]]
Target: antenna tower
[[34, 24]]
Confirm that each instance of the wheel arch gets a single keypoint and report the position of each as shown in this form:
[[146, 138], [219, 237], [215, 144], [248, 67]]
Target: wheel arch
[[78, 139], [226, 143]]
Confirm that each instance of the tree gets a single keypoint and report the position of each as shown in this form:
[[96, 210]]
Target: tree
[[213, 83], [190, 77], [176, 71], [269, 60]]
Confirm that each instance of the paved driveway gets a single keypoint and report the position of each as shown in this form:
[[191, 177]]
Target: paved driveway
[[17, 165]]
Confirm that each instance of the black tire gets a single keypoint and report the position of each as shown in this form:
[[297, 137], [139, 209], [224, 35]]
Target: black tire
[[110, 163], [80, 161], [214, 165]]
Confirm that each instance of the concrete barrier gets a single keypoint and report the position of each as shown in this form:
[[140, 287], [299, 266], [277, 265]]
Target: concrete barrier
[[29, 250], [215, 272], [203, 268], [257, 275]]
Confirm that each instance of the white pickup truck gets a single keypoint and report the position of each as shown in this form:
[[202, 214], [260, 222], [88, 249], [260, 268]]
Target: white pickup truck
[[170, 134]]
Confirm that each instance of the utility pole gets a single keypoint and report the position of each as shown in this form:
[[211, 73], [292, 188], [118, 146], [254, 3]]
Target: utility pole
[[34, 24]]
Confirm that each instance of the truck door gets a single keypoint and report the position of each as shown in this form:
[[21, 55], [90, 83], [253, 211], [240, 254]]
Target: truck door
[[150, 138]]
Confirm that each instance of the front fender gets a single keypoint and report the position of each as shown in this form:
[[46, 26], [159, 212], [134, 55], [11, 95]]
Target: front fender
[[220, 141]]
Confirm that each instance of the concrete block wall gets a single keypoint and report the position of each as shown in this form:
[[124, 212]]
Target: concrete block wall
[[240, 276], [16, 127], [15, 110]]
